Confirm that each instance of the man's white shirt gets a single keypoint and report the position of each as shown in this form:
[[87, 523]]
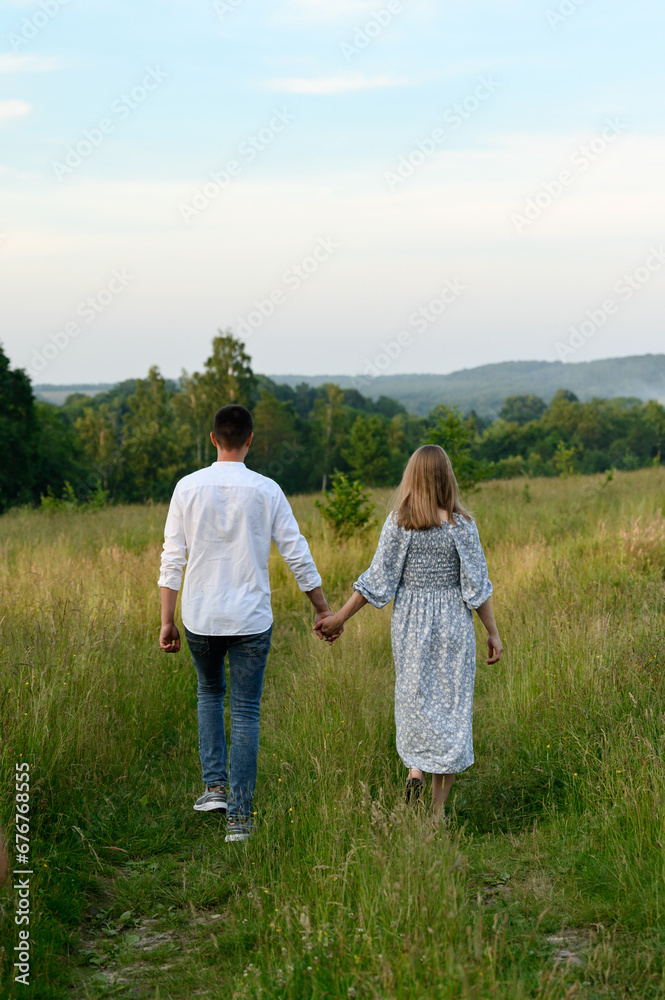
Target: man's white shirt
[[220, 524]]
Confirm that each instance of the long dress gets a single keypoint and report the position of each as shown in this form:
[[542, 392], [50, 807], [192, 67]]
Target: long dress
[[436, 577]]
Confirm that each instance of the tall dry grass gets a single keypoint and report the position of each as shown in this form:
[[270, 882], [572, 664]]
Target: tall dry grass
[[556, 831]]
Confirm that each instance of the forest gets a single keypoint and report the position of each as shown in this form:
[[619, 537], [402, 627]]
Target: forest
[[132, 443]]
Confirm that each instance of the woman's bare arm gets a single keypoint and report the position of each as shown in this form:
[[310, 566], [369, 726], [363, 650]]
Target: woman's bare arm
[[493, 641]]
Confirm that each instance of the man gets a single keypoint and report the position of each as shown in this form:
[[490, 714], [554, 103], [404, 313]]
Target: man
[[220, 523]]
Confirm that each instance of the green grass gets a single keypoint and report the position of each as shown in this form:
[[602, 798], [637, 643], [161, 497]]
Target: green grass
[[555, 832]]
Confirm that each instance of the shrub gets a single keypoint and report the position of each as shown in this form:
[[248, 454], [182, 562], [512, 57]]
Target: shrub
[[69, 501], [346, 506]]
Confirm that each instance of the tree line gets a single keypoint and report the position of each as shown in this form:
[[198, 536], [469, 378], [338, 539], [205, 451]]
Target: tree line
[[132, 443]]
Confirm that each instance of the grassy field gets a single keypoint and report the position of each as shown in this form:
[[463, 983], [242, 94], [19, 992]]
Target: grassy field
[[548, 879]]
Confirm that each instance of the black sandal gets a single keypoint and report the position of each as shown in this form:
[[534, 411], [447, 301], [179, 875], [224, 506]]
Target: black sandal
[[414, 789]]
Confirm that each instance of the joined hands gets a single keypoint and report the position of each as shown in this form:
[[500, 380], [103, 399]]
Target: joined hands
[[328, 626]]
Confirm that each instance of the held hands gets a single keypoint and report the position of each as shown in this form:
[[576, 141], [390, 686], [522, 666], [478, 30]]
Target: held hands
[[328, 626], [494, 646], [169, 639]]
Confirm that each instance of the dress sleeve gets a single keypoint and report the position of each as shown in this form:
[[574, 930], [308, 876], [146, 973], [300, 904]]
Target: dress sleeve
[[476, 586], [379, 583]]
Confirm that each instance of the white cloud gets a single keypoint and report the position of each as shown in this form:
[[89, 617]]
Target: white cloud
[[13, 109], [17, 62], [335, 84]]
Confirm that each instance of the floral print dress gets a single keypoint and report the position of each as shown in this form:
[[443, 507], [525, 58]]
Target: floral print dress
[[436, 577]]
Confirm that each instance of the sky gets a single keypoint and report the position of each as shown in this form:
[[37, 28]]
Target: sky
[[350, 186]]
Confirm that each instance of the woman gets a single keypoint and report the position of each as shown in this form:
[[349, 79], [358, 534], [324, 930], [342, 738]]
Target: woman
[[430, 560]]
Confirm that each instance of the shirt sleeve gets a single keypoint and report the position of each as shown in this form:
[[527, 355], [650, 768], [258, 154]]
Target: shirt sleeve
[[379, 583], [476, 586], [293, 546], [174, 551]]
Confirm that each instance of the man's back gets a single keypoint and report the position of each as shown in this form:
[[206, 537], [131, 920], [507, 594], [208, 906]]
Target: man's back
[[220, 523]]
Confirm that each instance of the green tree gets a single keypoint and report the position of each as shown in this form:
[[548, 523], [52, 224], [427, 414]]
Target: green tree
[[277, 450], [368, 453], [405, 434], [564, 459], [154, 456], [563, 413], [521, 409], [329, 425], [227, 377], [455, 435], [58, 452], [229, 371], [18, 434], [98, 437], [388, 407]]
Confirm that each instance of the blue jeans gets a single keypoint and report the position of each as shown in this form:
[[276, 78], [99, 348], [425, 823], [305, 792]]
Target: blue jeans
[[247, 661]]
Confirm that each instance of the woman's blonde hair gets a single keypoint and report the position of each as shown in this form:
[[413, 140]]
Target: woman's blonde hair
[[428, 484]]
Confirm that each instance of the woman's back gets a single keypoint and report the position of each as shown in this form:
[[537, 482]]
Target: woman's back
[[432, 561]]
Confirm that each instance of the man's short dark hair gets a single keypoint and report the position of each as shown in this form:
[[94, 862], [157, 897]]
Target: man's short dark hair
[[233, 425]]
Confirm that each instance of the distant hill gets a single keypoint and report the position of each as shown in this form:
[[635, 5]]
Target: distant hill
[[57, 394], [482, 389]]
